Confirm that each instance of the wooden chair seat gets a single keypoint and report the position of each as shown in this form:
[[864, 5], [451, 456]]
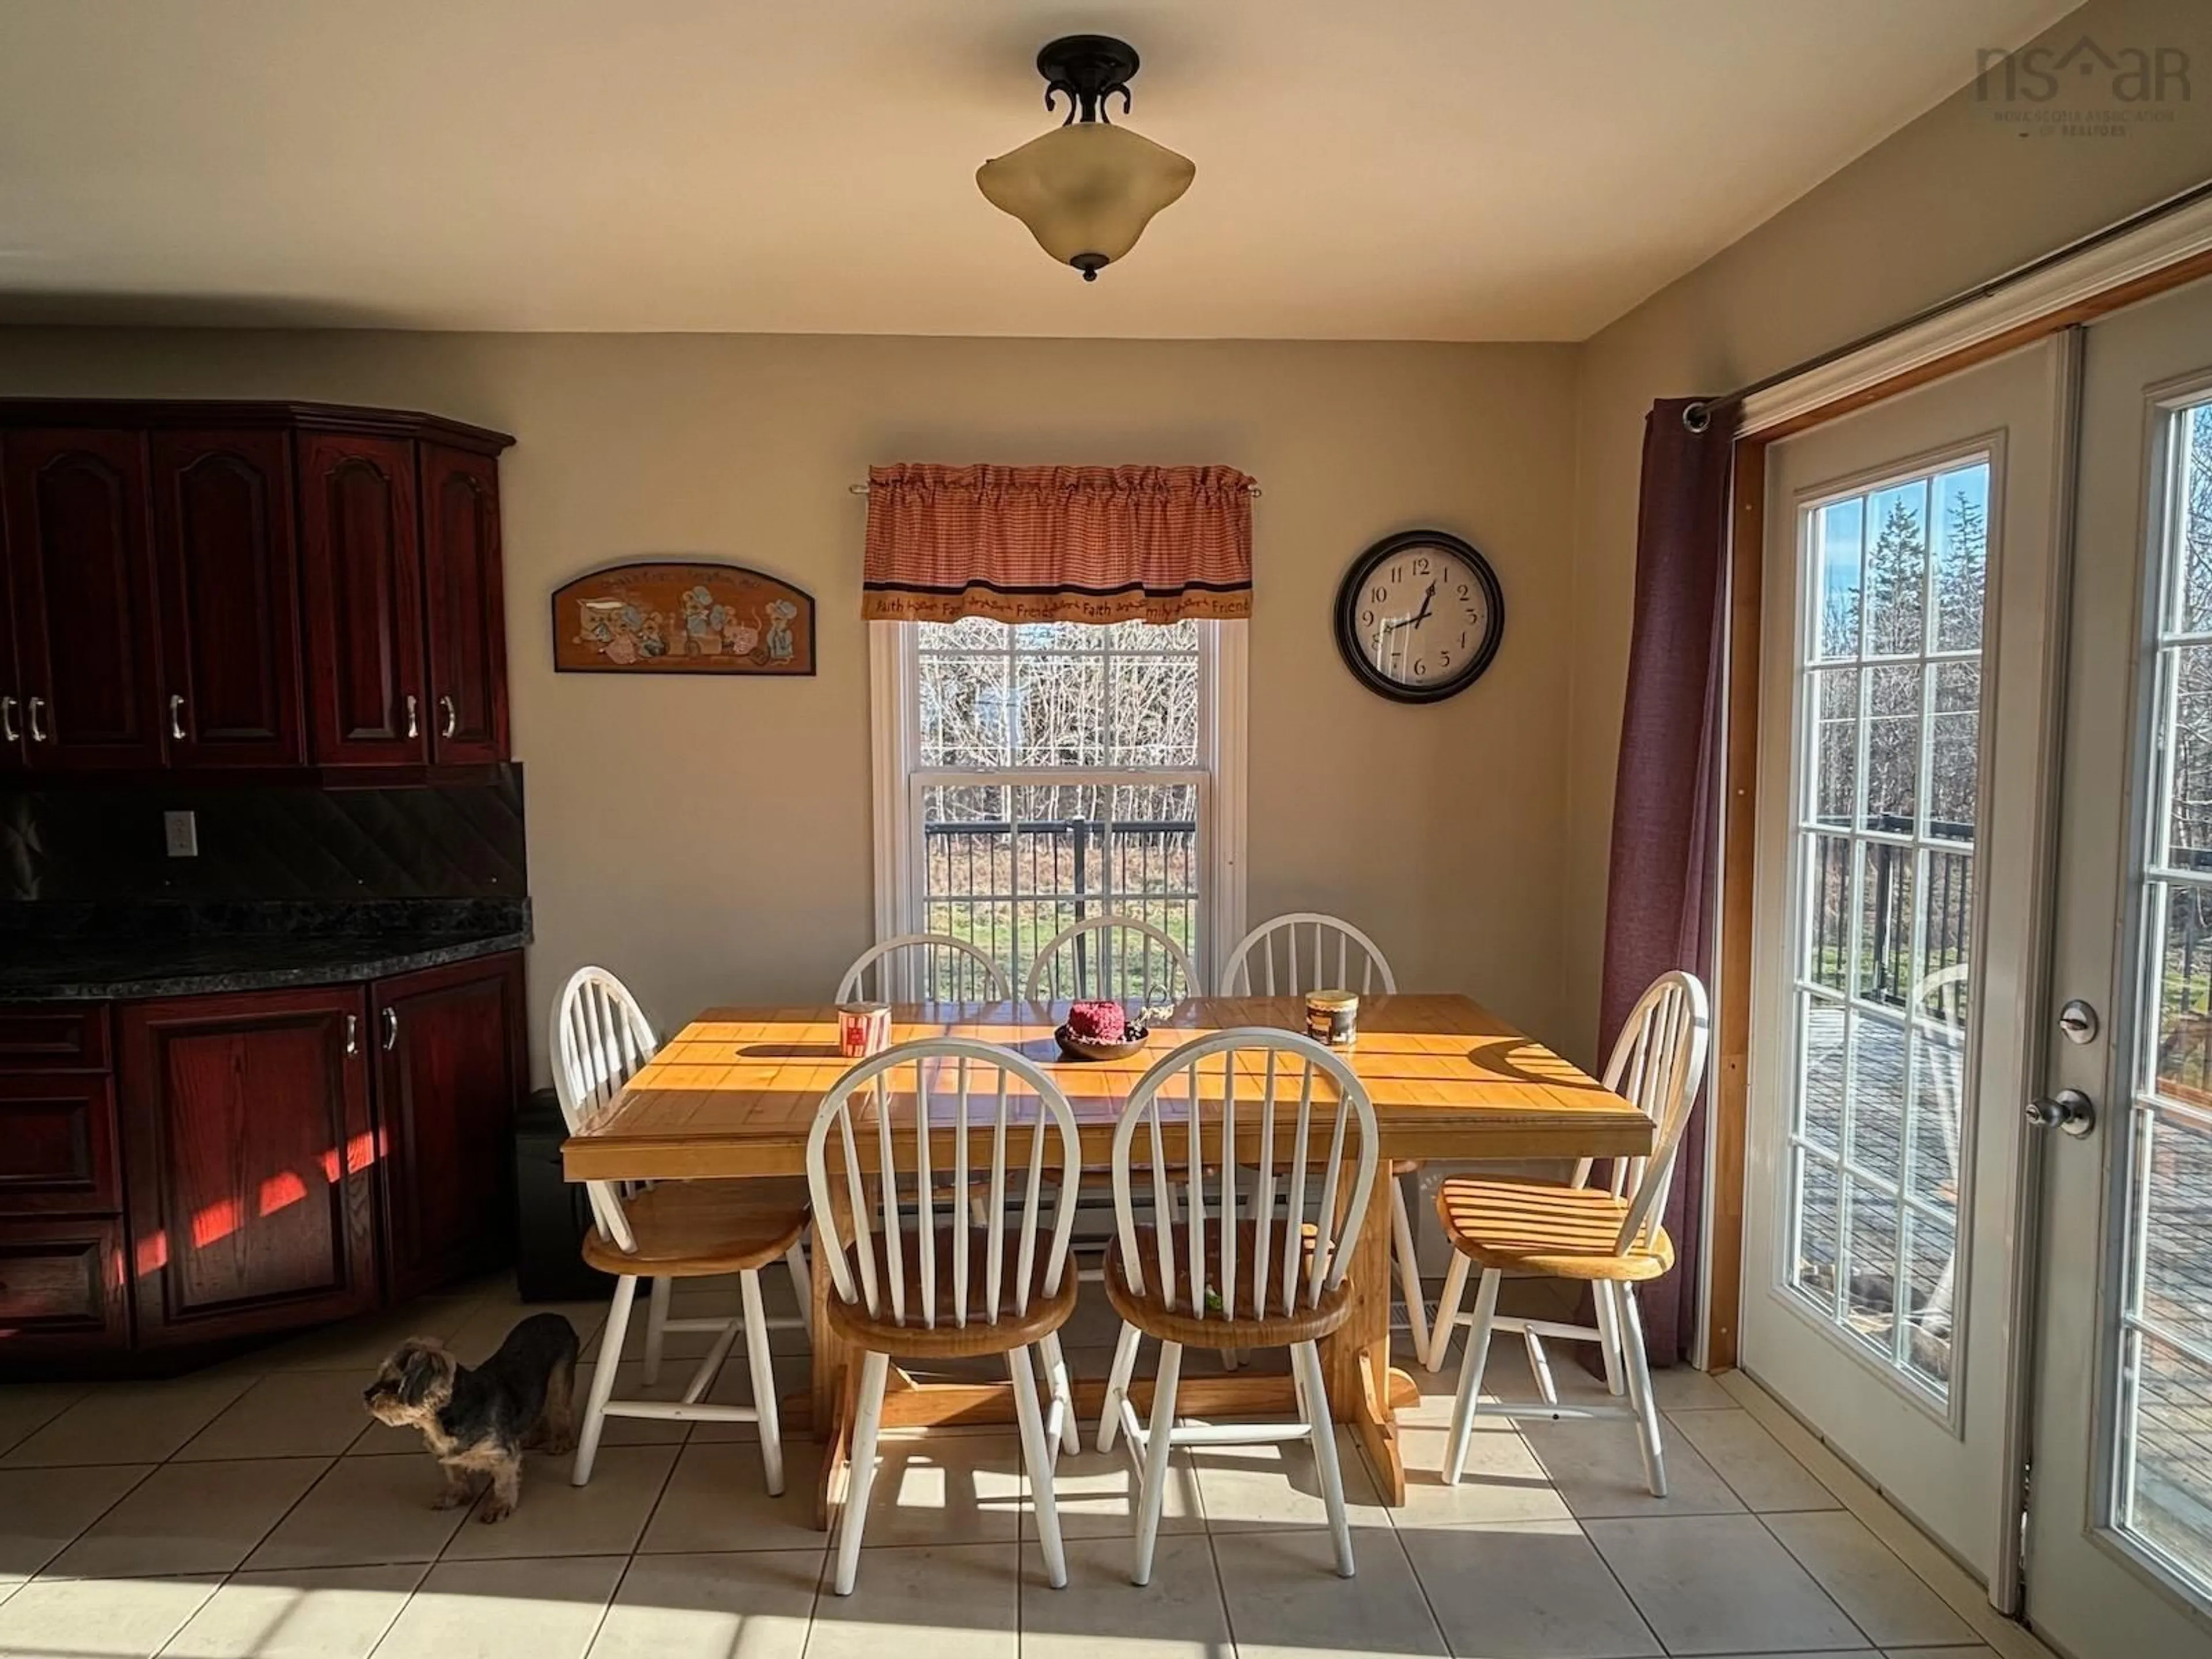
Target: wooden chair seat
[[880, 1333], [1527, 1226], [690, 1229], [1266, 1327]]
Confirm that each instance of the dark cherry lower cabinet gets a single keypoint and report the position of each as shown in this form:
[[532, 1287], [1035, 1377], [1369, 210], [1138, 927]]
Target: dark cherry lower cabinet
[[450, 1066], [247, 1124], [184, 1174]]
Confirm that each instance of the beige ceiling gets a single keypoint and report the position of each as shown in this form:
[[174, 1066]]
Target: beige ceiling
[[1421, 169]]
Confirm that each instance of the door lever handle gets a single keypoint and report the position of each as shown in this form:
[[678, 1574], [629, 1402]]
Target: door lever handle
[[2068, 1110]]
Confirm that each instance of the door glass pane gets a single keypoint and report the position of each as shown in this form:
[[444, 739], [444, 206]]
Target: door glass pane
[[1889, 708], [2162, 1444]]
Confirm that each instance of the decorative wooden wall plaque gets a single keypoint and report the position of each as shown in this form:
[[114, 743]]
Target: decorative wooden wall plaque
[[682, 619]]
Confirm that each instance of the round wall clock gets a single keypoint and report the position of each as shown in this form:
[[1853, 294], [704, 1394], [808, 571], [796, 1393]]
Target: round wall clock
[[1419, 616]]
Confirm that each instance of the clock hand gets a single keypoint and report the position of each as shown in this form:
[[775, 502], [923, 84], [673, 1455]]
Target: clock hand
[[1428, 599]]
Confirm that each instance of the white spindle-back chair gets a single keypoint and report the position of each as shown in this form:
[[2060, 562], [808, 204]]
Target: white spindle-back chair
[[1608, 1235], [600, 1040], [1235, 1257], [1313, 953], [912, 1274], [1112, 958], [925, 968], [1306, 950]]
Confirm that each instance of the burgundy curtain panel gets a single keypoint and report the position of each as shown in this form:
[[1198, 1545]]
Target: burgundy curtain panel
[[1665, 802]]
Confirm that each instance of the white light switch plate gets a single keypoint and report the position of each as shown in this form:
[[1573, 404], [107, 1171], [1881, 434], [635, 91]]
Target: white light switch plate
[[182, 832]]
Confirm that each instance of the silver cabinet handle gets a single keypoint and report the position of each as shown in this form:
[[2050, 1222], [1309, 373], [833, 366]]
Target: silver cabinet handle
[[177, 716], [391, 1028], [38, 728], [453, 716], [353, 1034], [7, 719], [414, 727]]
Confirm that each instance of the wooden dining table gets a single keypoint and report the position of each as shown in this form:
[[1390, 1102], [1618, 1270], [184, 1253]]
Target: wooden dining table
[[734, 1095]]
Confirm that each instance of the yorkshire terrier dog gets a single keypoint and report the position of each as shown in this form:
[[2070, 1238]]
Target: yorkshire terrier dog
[[478, 1421]]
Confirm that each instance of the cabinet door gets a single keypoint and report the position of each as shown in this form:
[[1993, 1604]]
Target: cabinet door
[[249, 1161], [80, 562], [230, 602], [466, 617], [449, 1070], [362, 572], [12, 740]]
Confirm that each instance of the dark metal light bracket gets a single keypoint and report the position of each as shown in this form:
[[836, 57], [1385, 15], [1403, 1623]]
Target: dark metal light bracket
[[1089, 69]]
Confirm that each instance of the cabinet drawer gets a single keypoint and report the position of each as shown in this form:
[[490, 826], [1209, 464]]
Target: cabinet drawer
[[71, 1036], [57, 1143], [61, 1285]]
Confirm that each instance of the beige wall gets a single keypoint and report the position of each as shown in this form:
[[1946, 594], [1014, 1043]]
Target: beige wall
[[710, 838], [1954, 197]]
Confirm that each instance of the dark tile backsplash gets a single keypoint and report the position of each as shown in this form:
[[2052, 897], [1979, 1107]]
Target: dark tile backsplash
[[88, 841]]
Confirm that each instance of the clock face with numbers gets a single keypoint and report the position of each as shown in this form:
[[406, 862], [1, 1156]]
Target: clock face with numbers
[[1419, 616]]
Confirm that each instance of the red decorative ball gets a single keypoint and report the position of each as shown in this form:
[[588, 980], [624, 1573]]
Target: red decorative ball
[[1097, 1022]]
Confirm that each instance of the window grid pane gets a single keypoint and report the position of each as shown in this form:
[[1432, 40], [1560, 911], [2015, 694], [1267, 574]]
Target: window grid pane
[[2161, 1489], [1112, 710], [1889, 713]]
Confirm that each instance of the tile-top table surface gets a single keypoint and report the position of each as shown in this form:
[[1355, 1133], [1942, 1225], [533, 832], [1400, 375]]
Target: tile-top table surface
[[735, 1093]]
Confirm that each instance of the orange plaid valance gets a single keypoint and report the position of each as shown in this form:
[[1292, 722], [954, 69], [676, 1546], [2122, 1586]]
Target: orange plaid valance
[[1058, 544]]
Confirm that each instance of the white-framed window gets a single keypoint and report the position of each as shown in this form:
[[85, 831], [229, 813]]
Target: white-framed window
[[1891, 763], [1029, 775]]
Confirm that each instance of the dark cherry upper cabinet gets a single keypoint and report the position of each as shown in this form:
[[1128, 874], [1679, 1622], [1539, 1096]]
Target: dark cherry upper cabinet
[[230, 599], [13, 743], [80, 562], [464, 608], [249, 1161], [363, 574], [450, 1067], [251, 586]]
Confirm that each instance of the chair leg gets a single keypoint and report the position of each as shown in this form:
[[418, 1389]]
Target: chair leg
[[763, 1370], [1440, 1333], [1409, 1270], [1117, 1385], [801, 1283], [1608, 1340], [1160, 1446], [603, 1380], [1471, 1365], [1059, 1386], [868, 1413], [1038, 1456], [1629, 1321], [1306, 1357], [656, 1330]]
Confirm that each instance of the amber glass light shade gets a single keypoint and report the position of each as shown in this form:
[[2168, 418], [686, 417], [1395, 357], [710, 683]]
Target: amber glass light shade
[[1086, 190]]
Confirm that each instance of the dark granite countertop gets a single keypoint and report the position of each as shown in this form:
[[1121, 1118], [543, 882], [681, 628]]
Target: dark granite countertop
[[90, 951]]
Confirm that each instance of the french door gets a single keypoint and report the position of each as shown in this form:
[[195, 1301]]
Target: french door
[[2119, 1535], [1909, 608], [1979, 1226]]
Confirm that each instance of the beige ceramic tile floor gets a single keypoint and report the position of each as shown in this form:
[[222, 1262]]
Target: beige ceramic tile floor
[[253, 1510]]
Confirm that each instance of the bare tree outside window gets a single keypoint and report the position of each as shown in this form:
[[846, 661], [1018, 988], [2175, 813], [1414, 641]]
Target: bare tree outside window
[[1062, 770]]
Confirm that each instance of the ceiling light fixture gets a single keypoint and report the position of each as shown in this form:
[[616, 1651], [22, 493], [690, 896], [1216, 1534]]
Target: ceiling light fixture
[[1087, 189]]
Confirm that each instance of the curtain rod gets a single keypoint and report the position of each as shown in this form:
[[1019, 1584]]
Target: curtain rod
[[1698, 416], [1253, 490]]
